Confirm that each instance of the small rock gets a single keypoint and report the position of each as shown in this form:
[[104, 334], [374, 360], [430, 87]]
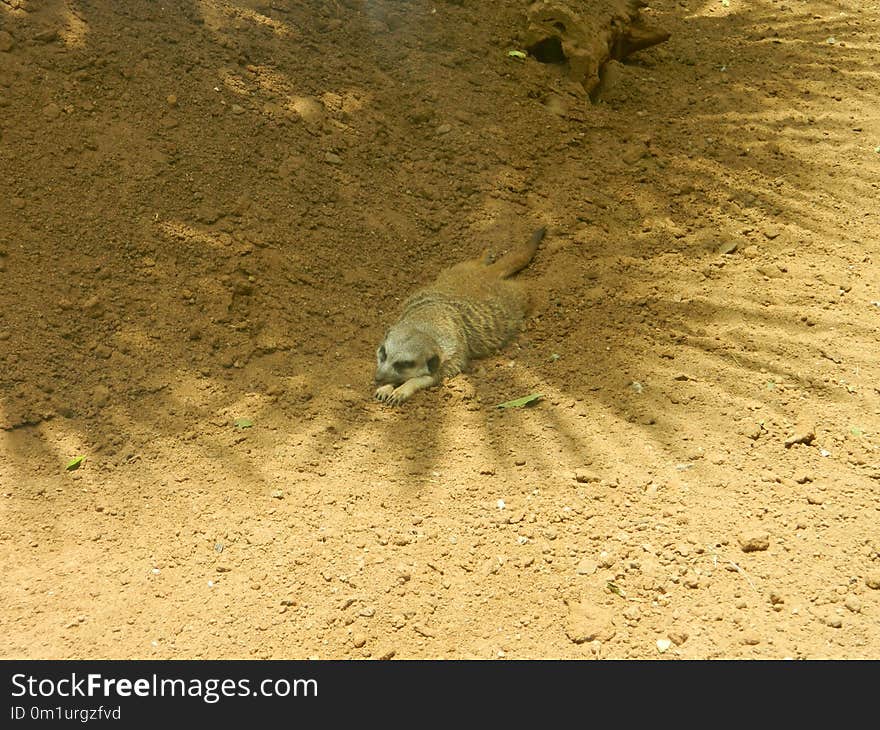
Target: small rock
[[753, 541], [804, 433], [771, 231], [678, 636], [6, 42], [333, 158], [663, 645], [358, 640], [634, 153], [277, 494], [444, 129], [803, 478], [237, 109], [585, 477], [815, 498], [171, 100], [835, 622], [101, 395], [93, 306], [385, 653], [51, 110], [586, 567], [751, 638], [587, 622], [853, 604], [728, 247], [872, 580]]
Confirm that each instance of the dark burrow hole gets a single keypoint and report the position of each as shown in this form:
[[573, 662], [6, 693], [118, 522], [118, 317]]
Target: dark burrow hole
[[548, 50]]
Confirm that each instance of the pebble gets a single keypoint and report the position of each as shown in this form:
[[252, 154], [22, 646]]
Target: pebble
[[771, 232], [804, 433], [872, 580], [6, 42], [853, 604], [751, 638], [358, 640], [815, 498], [171, 100], [586, 567], [51, 110], [277, 494], [588, 622], [333, 158], [101, 395], [444, 129], [678, 636], [728, 247], [635, 152], [753, 541], [585, 477], [663, 645], [385, 653]]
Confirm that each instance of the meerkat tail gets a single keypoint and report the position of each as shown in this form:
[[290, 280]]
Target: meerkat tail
[[520, 257]]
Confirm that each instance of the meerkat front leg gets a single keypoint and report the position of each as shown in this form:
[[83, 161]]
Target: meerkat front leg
[[395, 396]]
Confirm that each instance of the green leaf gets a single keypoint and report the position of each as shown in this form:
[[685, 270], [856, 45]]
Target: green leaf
[[75, 463], [516, 54], [520, 402], [243, 423]]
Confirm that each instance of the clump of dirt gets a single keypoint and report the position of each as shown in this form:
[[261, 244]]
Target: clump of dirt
[[212, 210]]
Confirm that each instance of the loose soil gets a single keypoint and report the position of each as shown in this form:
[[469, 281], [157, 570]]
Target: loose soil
[[211, 210]]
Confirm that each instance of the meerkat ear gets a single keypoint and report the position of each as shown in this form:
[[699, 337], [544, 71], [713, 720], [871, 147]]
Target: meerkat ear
[[433, 364]]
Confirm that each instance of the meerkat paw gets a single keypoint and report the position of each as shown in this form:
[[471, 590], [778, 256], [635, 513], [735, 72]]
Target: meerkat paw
[[395, 396], [383, 393]]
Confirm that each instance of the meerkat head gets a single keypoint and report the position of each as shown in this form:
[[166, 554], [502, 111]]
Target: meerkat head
[[404, 354]]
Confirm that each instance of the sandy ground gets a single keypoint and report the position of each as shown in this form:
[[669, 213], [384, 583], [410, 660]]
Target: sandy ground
[[212, 209]]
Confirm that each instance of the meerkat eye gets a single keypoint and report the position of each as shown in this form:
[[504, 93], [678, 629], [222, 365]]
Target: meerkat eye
[[382, 352], [403, 365]]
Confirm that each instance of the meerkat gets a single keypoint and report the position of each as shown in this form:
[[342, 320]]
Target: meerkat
[[470, 311]]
